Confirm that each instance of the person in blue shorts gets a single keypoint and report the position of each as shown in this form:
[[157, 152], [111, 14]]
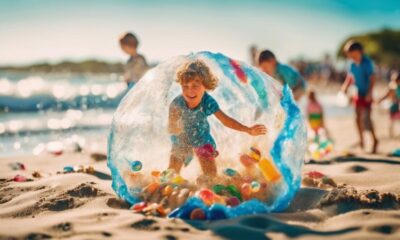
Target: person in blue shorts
[[188, 125], [361, 73], [282, 72], [136, 66]]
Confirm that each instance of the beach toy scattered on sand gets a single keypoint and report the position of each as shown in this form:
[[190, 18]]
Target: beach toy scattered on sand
[[36, 174], [395, 153], [69, 169], [80, 169], [320, 146], [17, 166], [19, 178], [56, 148], [263, 178], [138, 207], [318, 179]]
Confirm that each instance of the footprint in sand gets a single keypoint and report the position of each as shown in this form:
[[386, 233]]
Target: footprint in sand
[[117, 203], [37, 236], [384, 229], [170, 237], [358, 169], [146, 225]]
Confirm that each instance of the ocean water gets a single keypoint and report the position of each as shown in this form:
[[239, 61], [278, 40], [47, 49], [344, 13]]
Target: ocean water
[[37, 109]]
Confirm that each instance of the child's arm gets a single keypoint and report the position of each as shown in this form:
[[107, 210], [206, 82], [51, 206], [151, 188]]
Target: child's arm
[[388, 93], [347, 83], [174, 121], [232, 123]]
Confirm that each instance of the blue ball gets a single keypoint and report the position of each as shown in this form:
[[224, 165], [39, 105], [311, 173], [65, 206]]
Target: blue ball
[[230, 172], [217, 212], [136, 166]]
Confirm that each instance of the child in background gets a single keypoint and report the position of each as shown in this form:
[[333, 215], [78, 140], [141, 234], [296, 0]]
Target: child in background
[[136, 66], [315, 113], [394, 94], [361, 73], [188, 125], [284, 73], [321, 143]]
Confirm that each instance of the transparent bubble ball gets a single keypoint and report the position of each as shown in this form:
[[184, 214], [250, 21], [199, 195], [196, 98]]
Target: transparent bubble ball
[[139, 143]]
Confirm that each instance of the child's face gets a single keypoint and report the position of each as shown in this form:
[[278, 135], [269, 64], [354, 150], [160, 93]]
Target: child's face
[[354, 55], [193, 91], [130, 50], [268, 67]]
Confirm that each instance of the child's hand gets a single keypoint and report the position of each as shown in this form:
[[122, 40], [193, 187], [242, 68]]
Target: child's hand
[[256, 130]]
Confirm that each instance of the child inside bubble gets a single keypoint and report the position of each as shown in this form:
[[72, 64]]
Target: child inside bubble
[[188, 125]]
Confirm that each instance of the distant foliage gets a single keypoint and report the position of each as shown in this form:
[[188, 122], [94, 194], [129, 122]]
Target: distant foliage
[[382, 46], [89, 66]]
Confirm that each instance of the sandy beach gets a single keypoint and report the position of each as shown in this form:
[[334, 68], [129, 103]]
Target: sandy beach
[[364, 204]]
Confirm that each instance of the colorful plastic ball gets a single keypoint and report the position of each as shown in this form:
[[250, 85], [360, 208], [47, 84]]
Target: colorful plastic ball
[[233, 201], [68, 169], [136, 166], [230, 172], [217, 212], [246, 190], [218, 188], [178, 180], [232, 189], [207, 196], [197, 214], [167, 190], [255, 186], [138, 207]]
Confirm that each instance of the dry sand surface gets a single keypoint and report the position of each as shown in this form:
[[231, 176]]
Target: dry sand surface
[[364, 205]]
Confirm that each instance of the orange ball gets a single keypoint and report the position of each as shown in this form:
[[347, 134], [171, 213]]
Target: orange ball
[[197, 214]]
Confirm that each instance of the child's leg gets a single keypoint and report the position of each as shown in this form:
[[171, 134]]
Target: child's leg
[[206, 155], [369, 119], [359, 122], [175, 163], [208, 166], [178, 156]]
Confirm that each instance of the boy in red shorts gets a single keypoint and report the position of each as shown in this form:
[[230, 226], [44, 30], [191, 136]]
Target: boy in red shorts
[[361, 74]]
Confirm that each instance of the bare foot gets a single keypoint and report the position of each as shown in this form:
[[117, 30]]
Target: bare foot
[[375, 147]]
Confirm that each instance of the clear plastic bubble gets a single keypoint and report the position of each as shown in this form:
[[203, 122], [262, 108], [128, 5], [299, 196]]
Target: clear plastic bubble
[[269, 164]]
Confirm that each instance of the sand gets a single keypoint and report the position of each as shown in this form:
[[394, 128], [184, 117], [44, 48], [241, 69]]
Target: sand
[[364, 204]]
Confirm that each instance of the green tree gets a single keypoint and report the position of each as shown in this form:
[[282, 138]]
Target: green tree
[[383, 46]]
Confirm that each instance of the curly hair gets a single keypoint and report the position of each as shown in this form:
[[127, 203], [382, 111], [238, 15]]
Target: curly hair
[[198, 69]]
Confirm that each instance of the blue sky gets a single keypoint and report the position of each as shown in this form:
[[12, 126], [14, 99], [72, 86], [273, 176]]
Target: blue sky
[[43, 30]]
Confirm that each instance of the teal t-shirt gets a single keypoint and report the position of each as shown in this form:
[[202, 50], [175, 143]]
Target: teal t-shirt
[[289, 75], [361, 74], [196, 132]]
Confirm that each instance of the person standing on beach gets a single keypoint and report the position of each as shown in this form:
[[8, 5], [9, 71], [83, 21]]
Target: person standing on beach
[[282, 72], [394, 94], [136, 66], [361, 73]]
